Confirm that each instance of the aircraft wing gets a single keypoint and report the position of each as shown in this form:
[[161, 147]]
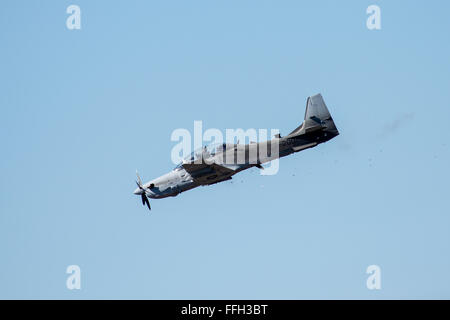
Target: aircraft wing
[[204, 173]]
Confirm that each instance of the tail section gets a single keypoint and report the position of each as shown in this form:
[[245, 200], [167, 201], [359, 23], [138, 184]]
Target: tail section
[[317, 117]]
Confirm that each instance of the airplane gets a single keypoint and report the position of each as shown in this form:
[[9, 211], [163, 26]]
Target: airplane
[[219, 162]]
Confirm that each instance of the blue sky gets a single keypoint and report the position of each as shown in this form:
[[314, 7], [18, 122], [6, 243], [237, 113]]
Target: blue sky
[[81, 110]]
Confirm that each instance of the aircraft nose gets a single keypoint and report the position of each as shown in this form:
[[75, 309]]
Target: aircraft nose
[[138, 191]]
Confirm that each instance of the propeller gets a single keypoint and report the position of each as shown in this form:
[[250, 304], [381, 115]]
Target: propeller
[[143, 195]]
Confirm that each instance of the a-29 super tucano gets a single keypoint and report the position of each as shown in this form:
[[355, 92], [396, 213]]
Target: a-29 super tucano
[[219, 162]]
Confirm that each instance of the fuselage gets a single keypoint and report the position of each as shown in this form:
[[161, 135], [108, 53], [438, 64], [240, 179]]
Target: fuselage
[[179, 180]]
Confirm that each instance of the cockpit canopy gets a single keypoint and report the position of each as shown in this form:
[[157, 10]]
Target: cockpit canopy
[[205, 152]]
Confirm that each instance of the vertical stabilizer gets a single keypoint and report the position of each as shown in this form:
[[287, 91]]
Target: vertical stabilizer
[[317, 117]]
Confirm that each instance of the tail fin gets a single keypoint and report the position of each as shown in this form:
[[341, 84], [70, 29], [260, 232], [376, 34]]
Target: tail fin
[[317, 117]]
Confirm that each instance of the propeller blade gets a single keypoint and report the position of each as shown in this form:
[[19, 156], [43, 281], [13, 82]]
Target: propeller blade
[[145, 201], [139, 182]]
